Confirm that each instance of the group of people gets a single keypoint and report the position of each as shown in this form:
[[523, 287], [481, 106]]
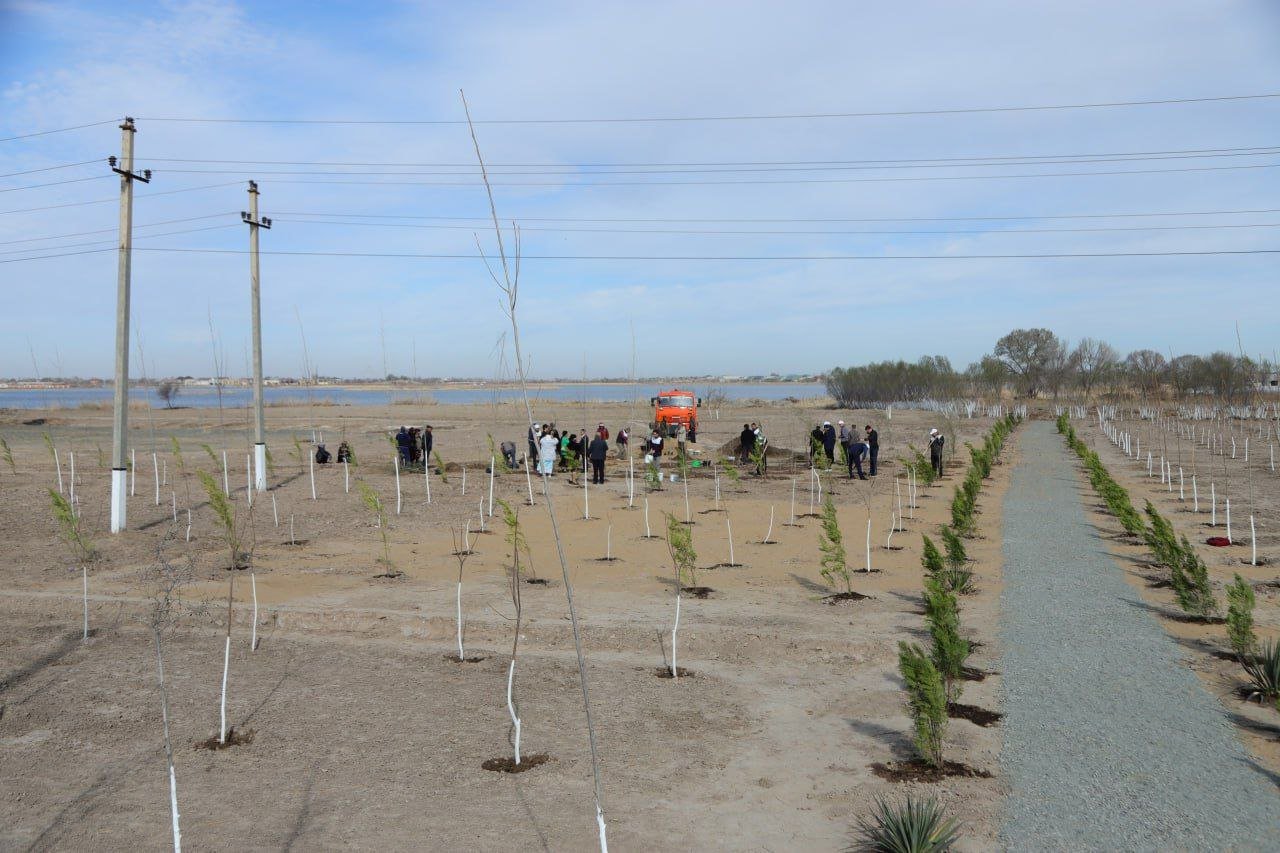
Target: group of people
[[549, 446], [857, 447], [324, 457], [414, 445], [752, 445]]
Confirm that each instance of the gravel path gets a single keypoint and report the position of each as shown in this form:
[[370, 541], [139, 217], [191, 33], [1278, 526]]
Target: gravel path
[[1110, 742]]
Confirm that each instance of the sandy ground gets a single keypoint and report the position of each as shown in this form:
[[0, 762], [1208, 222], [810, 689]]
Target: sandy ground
[[1207, 650], [367, 734]]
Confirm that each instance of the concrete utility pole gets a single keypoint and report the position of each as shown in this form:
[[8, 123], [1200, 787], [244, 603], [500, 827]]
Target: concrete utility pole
[[251, 219], [120, 427]]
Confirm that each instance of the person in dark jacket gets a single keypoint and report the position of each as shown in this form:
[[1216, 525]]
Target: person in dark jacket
[[623, 442], [598, 451], [322, 455], [747, 442], [873, 447], [508, 449], [936, 442], [535, 432], [829, 440], [405, 445], [815, 442], [344, 453], [428, 441]]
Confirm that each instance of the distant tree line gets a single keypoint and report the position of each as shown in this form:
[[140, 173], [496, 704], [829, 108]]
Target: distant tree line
[[1036, 362]]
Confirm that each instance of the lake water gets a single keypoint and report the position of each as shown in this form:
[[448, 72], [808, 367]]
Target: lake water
[[204, 398]]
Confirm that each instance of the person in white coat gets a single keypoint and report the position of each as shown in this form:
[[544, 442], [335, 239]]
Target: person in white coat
[[548, 447]]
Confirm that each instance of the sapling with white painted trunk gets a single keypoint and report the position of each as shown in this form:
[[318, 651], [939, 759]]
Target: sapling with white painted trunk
[[225, 517], [165, 581], [461, 550], [373, 502], [515, 538], [79, 542], [684, 560]]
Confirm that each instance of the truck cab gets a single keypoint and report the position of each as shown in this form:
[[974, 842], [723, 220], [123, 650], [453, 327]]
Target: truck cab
[[674, 408]]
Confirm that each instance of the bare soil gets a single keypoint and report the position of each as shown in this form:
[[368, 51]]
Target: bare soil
[[367, 731]]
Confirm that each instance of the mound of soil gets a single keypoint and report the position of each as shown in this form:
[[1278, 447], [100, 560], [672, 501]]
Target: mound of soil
[[917, 770], [537, 581], [508, 764], [297, 543], [389, 575], [726, 566], [697, 591], [234, 738], [843, 597], [454, 659], [665, 672], [608, 559], [974, 714]]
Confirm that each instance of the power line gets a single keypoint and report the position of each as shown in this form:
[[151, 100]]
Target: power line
[[58, 130], [755, 182], [1028, 217], [798, 232], [112, 242], [113, 230], [633, 258], [116, 199], [707, 118], [52, 168], [472, 165], [55, 183], [682, 170]]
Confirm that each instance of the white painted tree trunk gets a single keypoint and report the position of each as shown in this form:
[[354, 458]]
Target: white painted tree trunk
[[173, 496], [189, 525], [631, 482], [1195, 495], [464, 480], [608, 542], [528, 480], [586, 498], [346, 477], [426, 478], [647, 534], [493, 465], [1213, 505], [248, 478], [793, 501], [769, 532], [72, 455], [1228, 504], [888, 542], [311, 467], [84, 574], [511, 708], [275, 510], [253, 637], [729, 528], [868, 540], [1253, 542], [675, 671], [460, 652], [155, 472], [58, 465], [396, 459], [1182, 485], [222, 714], [226, 480], [133, 472]]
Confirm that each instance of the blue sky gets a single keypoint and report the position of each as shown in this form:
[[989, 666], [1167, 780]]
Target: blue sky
[[64, 64]]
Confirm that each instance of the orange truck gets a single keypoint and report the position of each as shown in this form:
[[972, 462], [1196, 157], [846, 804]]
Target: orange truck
[[674, 408]]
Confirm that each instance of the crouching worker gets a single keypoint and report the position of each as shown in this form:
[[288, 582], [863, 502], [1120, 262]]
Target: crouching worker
[[322, 455], [508, 449]]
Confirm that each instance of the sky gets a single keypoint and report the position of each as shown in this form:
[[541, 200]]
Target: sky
[[651, 213]]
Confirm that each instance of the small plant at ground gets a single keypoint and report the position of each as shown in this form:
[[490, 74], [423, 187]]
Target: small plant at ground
[[498, 457], [958, 580], [680, 545], [760, 457], [926, 701], [915, 825], [1191, 583], [1263, 669], [950, 650], [652, 477], [931, 557], [373, 502], [444, 475], [919, 465], [70, 527], [831, 542], [1240, 604], [8, 455], [213, 457], [731, 471], [956, 556], [225, 515]]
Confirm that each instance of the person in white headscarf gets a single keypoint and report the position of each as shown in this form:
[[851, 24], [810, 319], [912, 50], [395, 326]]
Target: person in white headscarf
[[936, 442]]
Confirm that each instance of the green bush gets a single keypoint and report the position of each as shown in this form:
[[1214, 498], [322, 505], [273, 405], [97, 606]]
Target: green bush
[[1191, 583], [831, 543], [926, 701], [956, 556], [1263, 669], [931, 557], [913, 826], [1240, 604]]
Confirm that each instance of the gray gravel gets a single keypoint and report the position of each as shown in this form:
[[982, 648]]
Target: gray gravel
[[1110, 742]]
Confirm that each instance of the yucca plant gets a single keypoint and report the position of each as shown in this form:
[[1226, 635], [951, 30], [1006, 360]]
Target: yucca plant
[[831, 543], [916, 825], [926, 701], [958, 580], [1240, 604], [1263, 668]]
